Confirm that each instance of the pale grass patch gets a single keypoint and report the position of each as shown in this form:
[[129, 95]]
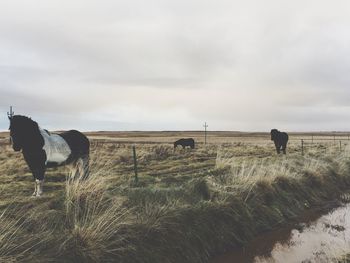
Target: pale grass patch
[[105, 216], [244, 173], [94, 218], [15, 243]]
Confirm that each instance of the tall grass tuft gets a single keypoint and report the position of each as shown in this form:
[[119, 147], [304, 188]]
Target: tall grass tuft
[[93, 220], [188, 208], [17, 242]]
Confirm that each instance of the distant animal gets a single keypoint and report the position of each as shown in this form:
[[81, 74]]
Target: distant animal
[[184, 142], [42, 150], [280, 139]]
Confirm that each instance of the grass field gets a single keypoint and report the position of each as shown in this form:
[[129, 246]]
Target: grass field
[[187, 206]]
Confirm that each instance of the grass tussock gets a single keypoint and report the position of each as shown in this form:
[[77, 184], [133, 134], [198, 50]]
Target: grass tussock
[[17, 242], [343, 259], [186, 207]]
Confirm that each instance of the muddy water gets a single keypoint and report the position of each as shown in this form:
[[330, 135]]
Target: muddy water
[[320, 238]]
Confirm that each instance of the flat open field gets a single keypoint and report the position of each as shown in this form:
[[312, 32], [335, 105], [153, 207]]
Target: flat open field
[[186, 206]]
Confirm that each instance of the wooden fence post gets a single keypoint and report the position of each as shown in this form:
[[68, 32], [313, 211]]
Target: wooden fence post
[[302, 147], [340, 145], [135, 163]]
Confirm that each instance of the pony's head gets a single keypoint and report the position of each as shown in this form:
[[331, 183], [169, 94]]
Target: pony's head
[[274, 134], [24, 133]]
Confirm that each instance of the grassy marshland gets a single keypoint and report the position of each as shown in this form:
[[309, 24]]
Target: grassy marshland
[[186, 207]]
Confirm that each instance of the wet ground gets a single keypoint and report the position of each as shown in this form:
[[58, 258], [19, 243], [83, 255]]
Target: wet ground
[[318, 237]]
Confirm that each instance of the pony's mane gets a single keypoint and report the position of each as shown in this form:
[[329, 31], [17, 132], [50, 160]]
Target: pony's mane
[[23, 122]]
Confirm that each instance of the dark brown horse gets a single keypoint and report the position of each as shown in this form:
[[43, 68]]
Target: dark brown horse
[[280, 139], [184, 142]]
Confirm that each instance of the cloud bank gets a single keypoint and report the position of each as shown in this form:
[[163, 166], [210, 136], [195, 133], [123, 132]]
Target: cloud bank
[[171, 65]]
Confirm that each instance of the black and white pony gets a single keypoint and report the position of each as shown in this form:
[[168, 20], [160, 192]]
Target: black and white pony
[[42, 149]]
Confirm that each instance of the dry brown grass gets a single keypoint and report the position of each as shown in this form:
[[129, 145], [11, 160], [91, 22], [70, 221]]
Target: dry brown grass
[[187, 205]]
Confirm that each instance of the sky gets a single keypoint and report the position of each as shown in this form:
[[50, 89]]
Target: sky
[[174, 64]]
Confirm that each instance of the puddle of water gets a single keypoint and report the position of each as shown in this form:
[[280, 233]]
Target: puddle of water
[[322, 239]]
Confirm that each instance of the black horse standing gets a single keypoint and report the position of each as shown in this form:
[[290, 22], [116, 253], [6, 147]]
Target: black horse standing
[[42, 150], [184, 142], [280, 139]]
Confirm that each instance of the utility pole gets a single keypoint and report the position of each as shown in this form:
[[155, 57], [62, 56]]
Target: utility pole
[[205, 132], [11, 113]]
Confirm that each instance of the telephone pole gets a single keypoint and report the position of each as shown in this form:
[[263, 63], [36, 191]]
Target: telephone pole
[[11, 113], [205, 132]]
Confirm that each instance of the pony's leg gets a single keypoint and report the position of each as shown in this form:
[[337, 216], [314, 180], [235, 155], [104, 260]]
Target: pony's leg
[[36, 163], [85, 167], [278, 149], [73, 170], [35, 188], [284, 147], [79, 168], [39, 187], [39, 181]]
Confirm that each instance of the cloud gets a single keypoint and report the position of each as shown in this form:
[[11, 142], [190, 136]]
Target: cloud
[[165, 64]]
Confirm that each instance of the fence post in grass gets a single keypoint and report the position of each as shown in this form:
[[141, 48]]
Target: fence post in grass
[[135, 163], [334, 138], [340, 145], [302, 147]]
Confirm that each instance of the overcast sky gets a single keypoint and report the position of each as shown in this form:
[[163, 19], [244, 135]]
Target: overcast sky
[[174, 64]]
